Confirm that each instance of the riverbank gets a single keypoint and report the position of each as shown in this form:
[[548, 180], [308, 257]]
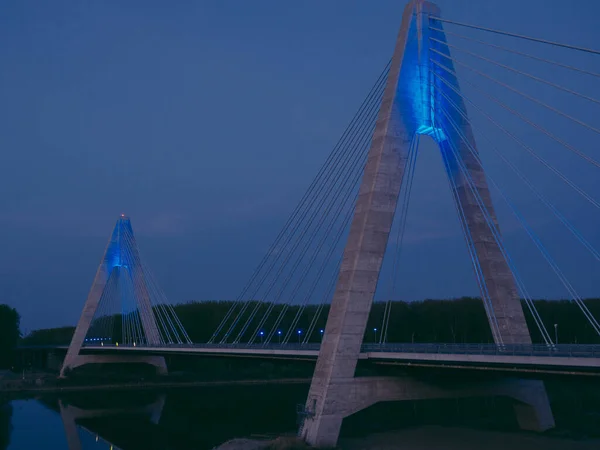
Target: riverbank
[[27, 390], [450, 438]]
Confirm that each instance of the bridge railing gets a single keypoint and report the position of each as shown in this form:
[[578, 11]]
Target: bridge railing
[[560, 350]]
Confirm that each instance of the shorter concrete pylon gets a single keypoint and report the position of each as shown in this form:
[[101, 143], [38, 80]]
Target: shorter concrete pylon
[[121, 252]]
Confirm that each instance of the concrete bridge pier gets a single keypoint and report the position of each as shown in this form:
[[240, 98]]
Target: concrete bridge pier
[[321, 428]]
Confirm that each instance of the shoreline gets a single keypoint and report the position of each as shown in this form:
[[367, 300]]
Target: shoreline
[[146, 385]]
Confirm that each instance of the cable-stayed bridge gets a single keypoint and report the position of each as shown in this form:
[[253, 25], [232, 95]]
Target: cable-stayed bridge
[[507, 114]]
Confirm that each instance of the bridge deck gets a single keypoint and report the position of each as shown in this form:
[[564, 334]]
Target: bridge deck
[[559, 356]]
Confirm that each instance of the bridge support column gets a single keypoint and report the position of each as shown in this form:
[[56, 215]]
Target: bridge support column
[[411, 105], [532, 407], [355, 394]]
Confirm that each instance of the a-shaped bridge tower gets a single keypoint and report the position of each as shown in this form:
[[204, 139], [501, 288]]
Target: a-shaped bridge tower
[[126, 305], [411, 106]]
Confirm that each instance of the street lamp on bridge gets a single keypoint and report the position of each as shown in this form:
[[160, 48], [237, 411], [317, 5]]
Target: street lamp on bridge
[[556, 333]]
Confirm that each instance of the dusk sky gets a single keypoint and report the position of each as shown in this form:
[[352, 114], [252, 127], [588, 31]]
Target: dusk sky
[[205, 121]]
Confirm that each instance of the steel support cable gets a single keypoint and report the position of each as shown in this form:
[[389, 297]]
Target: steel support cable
[[339, 172], [462, 219], [361, 146], [315, 282], [520, 36], [136, 287], [526, 120], [145, 315], [488, 305], [139, 283], [317, 315], [99, 315], [486, 298], [321, 271], [528, 301], [319, 208], [485, 295], [521, 285], [177, 328], [151, 314], [407, 184], [322, 267], [115, 310], [123, 319], [136, 326], [526, 147], [157, 308], [103, 308], [356, 166], [512, 266], [313, 322], [95, 323], [519, 72], [110, 293], [517, 91], [184, 333], [303, 252], [358, 169], [331, 160], [126, 299], [578, 235], [134, 317], [132, 331], [533, 236], [328, 293], [105, 304], [171, 317], [516, 52]]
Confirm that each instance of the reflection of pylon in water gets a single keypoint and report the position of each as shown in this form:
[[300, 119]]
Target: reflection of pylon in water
[[125, 304]]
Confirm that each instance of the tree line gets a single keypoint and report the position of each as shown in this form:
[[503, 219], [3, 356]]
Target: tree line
[[10, 334], [460, 320]]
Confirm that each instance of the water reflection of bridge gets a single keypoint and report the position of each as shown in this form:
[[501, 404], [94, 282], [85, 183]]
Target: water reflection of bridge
[[90, 414]]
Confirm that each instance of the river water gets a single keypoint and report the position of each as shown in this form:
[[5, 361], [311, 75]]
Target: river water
[[204, 418]]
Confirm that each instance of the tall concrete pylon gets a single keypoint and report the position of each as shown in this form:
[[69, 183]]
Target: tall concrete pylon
[[118, 254], [410, 106]]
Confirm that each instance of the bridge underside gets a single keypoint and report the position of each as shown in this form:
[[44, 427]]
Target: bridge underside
[[125, 358], [531, 406]]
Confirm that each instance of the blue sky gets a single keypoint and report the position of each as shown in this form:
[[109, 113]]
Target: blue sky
[[205, 122]]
